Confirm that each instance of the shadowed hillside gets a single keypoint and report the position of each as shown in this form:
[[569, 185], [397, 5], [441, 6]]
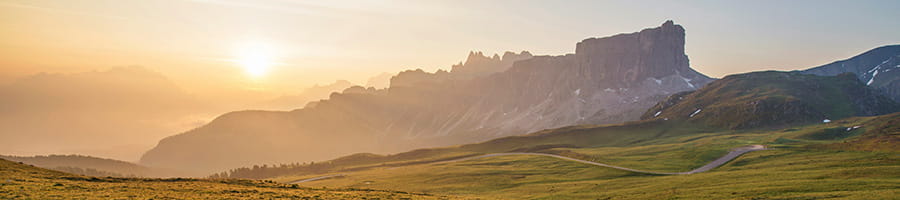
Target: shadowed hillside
[[878, 68], [766, 99]]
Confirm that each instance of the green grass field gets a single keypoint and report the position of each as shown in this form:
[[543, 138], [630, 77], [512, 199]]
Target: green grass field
[[808, 162]]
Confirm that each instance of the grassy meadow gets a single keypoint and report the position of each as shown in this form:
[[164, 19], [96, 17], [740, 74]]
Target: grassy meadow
[[19, 181], [807, 162]]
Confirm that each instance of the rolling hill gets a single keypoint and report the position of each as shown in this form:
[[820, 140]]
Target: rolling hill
[[800, 164]]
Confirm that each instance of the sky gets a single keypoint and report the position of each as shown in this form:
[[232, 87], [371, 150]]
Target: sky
[[239, 52], [196, 42]]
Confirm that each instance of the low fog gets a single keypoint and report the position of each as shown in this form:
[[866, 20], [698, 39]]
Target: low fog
[[117, 113]]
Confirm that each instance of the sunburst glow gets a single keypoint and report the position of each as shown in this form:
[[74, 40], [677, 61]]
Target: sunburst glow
[[255, 58]]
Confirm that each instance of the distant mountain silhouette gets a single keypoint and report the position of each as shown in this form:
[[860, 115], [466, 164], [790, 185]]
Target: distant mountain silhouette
[[314, 93], [123, 108], [380, 81], [91, 166], [607, 80], [766, 99], [878, 68]]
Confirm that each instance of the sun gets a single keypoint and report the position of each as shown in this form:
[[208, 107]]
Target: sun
[[255, 58]]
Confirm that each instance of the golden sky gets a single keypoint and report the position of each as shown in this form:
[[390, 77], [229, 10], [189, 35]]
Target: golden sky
[[227, 54], [196, 42]]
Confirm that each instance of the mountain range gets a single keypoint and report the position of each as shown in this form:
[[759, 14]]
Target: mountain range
[[122, 108], [607, 80]]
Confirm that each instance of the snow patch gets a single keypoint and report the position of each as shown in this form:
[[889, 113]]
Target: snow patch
[[578, 91], [657, 113], [875, 69], [873, 78], [688, 81], [695, 112]]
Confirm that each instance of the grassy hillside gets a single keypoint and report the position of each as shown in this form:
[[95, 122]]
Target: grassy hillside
[[803, 164], [19, 181], [771, 98], [548, 141]]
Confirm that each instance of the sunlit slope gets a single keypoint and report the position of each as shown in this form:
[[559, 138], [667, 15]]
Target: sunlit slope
[[622, 135], [663, 146], [19, 181], [800, 165]]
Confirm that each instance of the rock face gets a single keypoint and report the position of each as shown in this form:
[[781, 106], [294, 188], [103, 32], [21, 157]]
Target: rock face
[[628, 59], [761, 99], [878, 68], [479, 65], [607, 80]]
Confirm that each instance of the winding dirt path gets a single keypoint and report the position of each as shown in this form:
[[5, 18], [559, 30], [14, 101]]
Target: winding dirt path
[[317, 178], [734, 153]]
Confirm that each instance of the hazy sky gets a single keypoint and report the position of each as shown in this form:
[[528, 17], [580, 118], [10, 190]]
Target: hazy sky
[[201, 44]]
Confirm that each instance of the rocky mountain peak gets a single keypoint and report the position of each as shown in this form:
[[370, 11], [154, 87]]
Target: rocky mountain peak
[[476, 65], [628, 59]]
